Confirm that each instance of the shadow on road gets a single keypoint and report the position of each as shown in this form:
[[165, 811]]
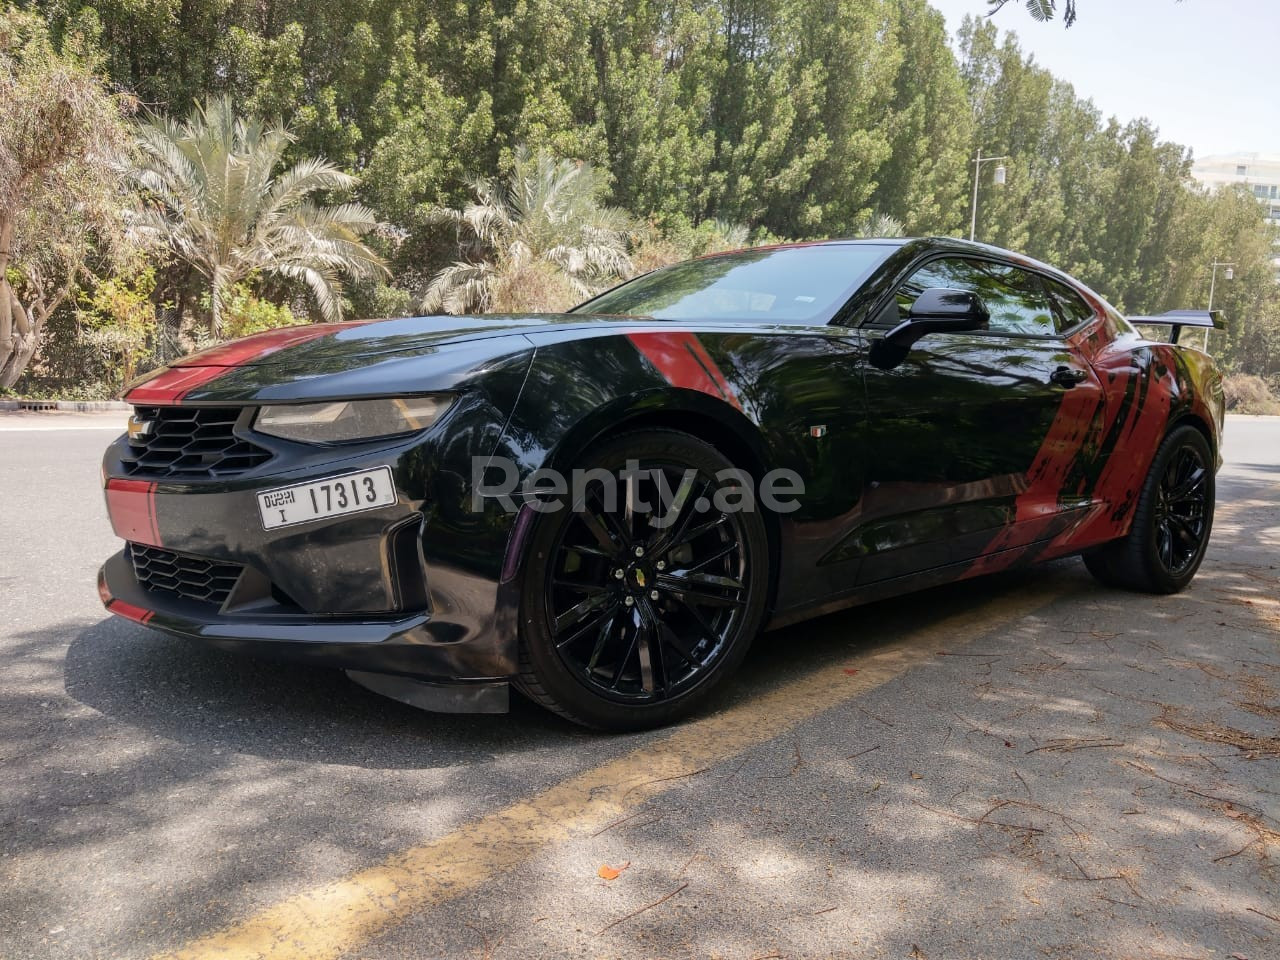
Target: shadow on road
[[177, 787]]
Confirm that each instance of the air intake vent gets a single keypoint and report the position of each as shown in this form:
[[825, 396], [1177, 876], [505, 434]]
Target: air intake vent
[[193, 578]]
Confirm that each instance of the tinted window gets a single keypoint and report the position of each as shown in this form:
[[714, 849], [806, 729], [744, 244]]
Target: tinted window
[[787, 285], [1016, 299], [1072, 309]]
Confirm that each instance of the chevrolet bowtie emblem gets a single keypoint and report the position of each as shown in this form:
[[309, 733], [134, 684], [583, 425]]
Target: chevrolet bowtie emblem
[[139, 429]]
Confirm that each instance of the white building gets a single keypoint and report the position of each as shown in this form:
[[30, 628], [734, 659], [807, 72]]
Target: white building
[[1258, 172]]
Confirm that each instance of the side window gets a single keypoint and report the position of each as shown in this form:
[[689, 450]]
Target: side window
[[1072, 310], [1017, 299]]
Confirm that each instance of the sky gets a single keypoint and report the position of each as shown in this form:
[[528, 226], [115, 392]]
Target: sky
[[1206, 72]]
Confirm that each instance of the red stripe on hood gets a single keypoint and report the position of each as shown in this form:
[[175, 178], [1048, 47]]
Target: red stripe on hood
[[172, 384], [684, 362]]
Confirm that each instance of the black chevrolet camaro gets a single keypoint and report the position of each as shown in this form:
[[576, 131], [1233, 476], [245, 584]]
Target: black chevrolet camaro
[[604, 507]]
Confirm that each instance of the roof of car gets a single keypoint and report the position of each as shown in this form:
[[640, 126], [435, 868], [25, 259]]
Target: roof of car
[[952, 244], [947, 243]]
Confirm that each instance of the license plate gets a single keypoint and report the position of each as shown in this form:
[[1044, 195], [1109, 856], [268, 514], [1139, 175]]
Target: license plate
[[333, 497]]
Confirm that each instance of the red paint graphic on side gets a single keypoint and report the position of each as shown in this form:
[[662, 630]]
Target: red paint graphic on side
[[1126, 431], [684, 362], [130, 612], [131, 505]]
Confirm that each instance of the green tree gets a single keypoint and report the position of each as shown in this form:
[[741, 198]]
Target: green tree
[[62, 135], [210, 194], [539, 239], [118, 318], [879, 225], [923, 184]]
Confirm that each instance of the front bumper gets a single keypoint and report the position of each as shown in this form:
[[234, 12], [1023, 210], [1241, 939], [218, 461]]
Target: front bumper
[[409, 644], [413, 589]]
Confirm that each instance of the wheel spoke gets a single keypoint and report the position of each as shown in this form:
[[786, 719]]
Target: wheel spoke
[[719, 555], [590, 551], [626, 658], [1186, 533], [703, 627], [1189, 488], [598, 529], [1164, 544], [676, 643], [645, 650], [602, 637], [690, 591], [710, 580], [677, 517], [588, 624], [629, 506], [580, 611], [698, 583], [691, 535], [577, 587]]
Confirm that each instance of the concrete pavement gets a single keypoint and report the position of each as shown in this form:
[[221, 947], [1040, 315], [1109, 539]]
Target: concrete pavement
[[1024, 766]]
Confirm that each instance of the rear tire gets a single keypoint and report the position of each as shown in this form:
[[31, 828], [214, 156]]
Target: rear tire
[[633, 618], [1171, 524]]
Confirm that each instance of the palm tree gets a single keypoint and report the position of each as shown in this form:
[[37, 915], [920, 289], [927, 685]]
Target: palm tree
[[535, 240], [879, 225], [209, 194]]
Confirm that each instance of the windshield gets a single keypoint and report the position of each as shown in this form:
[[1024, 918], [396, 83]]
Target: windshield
[[780, 285]]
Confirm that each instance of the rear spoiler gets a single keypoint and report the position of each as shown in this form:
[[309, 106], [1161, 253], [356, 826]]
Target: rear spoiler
[[1175, 320]]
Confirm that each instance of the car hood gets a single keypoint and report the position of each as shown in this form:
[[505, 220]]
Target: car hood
[[326, 361], [356, 341]]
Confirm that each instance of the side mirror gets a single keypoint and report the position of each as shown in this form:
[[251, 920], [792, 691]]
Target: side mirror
[[937, 310]]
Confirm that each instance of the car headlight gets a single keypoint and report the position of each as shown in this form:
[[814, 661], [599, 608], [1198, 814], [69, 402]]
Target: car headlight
[[346, 420]]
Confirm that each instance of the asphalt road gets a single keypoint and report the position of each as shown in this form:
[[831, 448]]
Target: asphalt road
[[1024, 766]]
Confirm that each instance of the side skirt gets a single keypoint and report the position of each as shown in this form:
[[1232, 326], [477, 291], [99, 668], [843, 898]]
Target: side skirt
[[897, 586]]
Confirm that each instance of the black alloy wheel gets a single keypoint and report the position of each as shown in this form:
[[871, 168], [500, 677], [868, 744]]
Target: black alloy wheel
[[1180, 510], [1171, 523], [637, 605]]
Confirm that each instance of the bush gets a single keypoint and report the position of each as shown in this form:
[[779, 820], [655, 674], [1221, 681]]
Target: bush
[[118, 322], [243, 313], [1246, 393]]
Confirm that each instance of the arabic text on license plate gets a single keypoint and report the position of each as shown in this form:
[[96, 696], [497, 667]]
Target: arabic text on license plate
[[332, 497]]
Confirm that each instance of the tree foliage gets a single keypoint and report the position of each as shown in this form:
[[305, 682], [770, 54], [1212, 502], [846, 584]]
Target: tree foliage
[[211, 194], [1041, 10], [538, 239], [785, 118], [62, 139]]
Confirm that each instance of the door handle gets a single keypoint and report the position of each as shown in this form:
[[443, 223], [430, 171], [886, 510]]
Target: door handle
[[1067, 376]]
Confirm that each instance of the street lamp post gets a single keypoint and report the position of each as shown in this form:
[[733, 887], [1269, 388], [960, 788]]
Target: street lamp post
[[977, 174], [1227, 274]]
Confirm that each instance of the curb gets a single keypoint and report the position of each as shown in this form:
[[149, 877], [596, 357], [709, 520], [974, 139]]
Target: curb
[[69, 406]]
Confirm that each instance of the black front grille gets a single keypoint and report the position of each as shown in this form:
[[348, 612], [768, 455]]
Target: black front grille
[[189, 442], [195, 578]]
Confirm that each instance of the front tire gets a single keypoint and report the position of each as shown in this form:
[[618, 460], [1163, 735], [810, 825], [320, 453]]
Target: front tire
[[632, 615], [1171, 524]]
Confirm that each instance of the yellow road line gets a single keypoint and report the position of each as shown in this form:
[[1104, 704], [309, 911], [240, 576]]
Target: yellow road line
[[337, 917]]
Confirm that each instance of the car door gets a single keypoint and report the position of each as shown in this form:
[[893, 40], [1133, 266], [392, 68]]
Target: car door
[[960, 431], [805, 386]]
